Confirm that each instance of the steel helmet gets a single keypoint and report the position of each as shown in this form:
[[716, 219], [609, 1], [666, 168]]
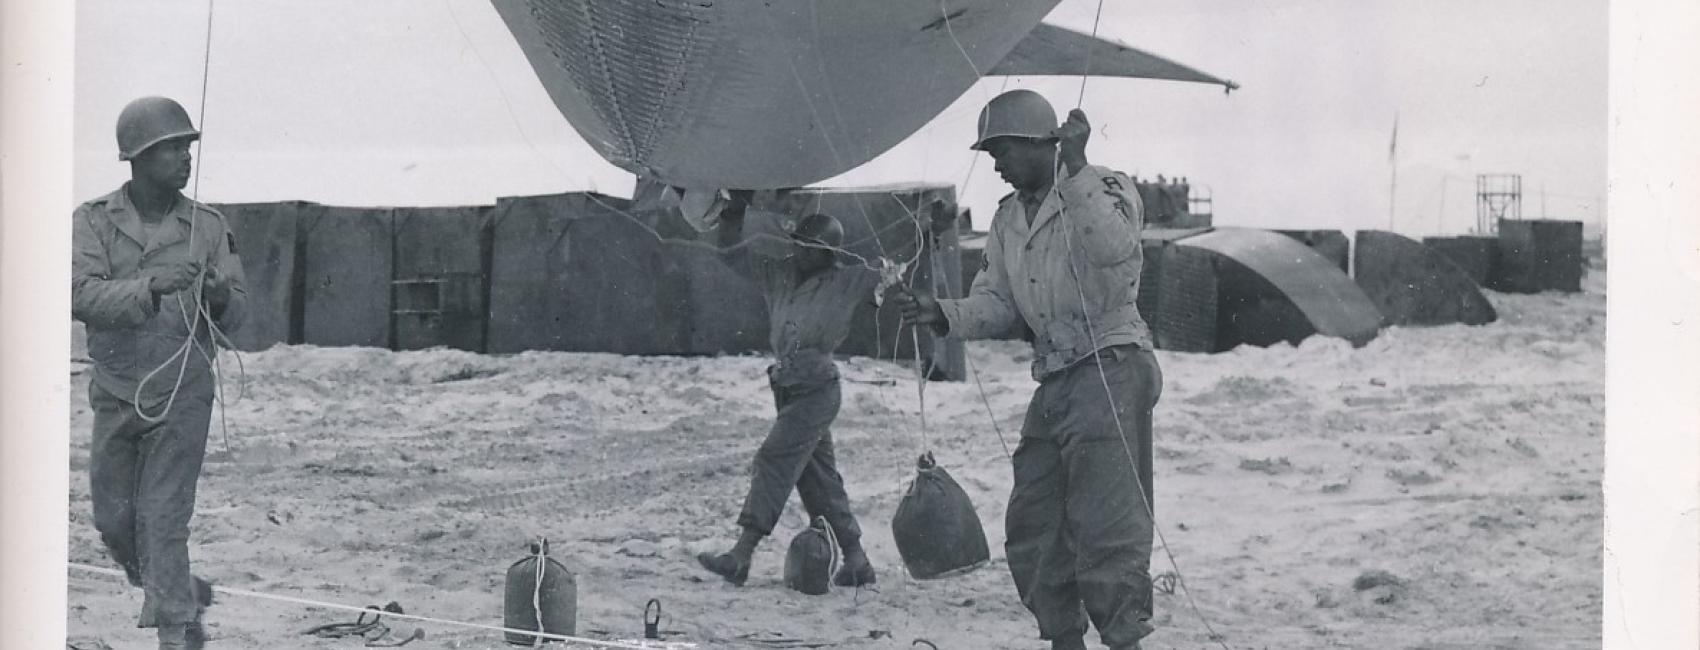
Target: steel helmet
[[149, 121], [820, 229], [1020, 113]]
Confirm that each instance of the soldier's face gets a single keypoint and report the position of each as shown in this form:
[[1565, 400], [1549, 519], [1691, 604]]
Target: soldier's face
[[1026, 164], [811, 257], [166, 164]]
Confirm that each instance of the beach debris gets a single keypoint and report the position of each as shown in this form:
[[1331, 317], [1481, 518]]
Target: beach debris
[[1419, 477], [1522, 446], [1272, 467], [638, 548], [1325, 599], [1381, 586], [376, 633], [1166, 582]]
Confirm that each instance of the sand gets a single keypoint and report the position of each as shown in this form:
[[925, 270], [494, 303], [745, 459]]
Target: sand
[[1437, 488]]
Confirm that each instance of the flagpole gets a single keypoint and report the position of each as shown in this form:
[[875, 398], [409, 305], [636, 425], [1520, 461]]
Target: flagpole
[[1393, 184], [1440, 215], [1392, 195]]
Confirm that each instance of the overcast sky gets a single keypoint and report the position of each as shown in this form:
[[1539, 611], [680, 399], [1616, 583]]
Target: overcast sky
[[430, 102]]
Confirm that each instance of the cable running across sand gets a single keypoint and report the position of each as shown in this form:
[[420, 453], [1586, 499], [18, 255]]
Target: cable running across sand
[[411, 617], [1098, 360]]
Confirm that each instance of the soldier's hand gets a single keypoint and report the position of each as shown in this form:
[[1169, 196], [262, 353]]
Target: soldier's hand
[[737, 203], [917, 307], [173, 278], [1071, 139], [215, 288]]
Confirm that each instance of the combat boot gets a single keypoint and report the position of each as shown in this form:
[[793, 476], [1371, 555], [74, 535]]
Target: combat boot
[[174, 636], [203, 592], [857, 570], [734, 569], [196, 636], [1070, 643]]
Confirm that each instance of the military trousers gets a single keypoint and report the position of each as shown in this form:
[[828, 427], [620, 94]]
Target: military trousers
[[797, 453], [1079, 524], [142, 477]]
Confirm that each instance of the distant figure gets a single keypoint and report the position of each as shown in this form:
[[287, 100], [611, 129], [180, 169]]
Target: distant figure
[[811, 296], [1161, 180], [149, 267], [1063, 257]]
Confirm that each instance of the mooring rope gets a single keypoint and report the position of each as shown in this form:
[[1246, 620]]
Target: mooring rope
[[308, 602], [202, 314], [1103, 378], [537, 586]]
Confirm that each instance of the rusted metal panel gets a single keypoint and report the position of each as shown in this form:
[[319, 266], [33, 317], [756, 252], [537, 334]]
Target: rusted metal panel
[[1475, 255], [1414, 285], [266, 240], [568, 272], [439, 285], [1539, 255], [348, 261]]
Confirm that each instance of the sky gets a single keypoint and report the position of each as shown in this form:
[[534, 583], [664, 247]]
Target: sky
[[430, 102]]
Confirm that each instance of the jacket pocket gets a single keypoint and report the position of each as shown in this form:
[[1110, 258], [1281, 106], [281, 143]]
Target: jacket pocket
[[113, 350]]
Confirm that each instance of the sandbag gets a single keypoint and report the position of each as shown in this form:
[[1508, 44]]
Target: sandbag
[[809, 562], [531, 588], [938, 533]]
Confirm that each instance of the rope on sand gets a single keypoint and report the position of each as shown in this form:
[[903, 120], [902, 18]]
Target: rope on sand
[[308, 602]]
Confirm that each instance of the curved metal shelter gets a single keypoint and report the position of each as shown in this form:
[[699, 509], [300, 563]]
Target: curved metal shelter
[[1274, 289]]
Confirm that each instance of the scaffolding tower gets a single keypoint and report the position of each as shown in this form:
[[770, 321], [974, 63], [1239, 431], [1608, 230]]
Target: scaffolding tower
[[1201, 201], [1498, 196]]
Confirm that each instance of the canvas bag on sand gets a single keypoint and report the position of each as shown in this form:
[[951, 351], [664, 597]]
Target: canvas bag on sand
[[809, 562]]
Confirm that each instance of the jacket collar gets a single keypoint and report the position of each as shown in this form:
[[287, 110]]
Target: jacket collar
[[128, 219], [1049, 206]]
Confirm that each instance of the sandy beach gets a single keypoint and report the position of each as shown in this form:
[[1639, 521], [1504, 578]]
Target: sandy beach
[[1438, 488]]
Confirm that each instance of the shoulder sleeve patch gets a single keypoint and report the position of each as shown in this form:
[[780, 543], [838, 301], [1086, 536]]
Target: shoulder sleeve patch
[[90, 206]]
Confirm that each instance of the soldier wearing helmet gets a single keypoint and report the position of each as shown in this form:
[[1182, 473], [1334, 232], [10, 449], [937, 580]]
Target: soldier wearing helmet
[[811, 296], [152, 273], [1063, 258]]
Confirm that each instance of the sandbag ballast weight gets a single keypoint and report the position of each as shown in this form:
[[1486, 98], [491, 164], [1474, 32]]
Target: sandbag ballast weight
[[540, 590], [936, 529], [809, 562]]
